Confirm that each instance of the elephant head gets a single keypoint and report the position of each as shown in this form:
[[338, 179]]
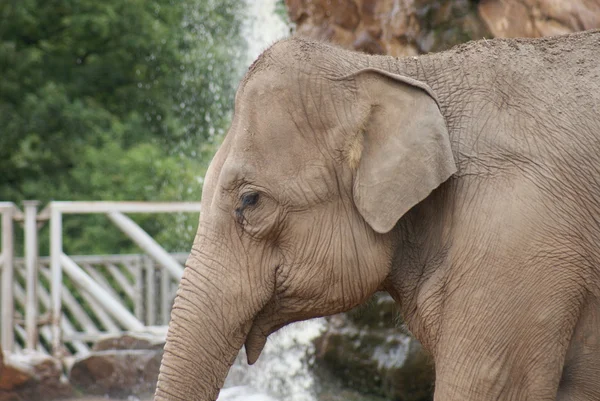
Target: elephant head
[[323, 157]]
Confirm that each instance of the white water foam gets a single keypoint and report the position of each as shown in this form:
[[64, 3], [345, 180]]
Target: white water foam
[[262, 27], [282, 372]]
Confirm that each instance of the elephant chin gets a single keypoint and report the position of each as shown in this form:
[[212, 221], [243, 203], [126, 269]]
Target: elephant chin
[[255, 342]]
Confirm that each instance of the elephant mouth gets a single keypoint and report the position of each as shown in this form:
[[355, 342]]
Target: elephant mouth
[[264, 323], [255, 343], [256, 340]]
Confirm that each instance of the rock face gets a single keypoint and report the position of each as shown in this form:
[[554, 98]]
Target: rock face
[[32, 376], [368, 352], [394, 27], [129, 341], [117, 373], [535, 18], [119, 366], [409, 27]]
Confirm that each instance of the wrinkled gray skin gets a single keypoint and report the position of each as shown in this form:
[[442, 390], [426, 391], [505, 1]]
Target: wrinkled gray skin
[[341, 176]]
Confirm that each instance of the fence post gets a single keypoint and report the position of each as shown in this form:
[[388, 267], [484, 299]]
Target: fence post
[[139, 290], [150, 291], [8, 334], [165, 296], [31, 260], [56, 282]]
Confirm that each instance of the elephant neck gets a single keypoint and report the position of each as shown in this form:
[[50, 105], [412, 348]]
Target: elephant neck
[[421, 263]]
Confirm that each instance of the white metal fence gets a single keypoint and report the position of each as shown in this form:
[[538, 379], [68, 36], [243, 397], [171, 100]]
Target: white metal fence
[[61, 303]]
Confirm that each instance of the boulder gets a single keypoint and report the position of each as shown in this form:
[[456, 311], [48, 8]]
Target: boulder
[[120, 366], [368, 350], [16, 375], [147, 341], [32, 376], [380, 312], [117, 373]]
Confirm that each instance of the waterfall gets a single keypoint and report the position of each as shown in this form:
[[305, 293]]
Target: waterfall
[[282, 371], [262, 27]]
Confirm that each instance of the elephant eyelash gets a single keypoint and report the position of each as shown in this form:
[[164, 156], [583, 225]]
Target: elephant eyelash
[[241, 219], [249, 199]]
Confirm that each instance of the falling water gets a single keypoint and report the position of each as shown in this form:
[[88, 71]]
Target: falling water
[[262, 27], [282, 371]]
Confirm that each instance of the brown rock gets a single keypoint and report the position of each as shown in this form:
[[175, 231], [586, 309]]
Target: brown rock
[[344, 13], [296, 10], [374, 360], [395, 27], [403, 27], [118, 373], [380, 312], [375, 14], [16, 376], [535, 18], [400, 48], [130, 341], [32, 376], [507, 19], [367, 44], [321, 32], [403, 22], [11, 397]]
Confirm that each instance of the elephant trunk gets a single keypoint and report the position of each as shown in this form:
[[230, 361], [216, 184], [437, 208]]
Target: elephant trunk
[[205, 334]]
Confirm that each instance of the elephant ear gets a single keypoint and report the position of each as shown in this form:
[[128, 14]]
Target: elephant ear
[[405, 149]]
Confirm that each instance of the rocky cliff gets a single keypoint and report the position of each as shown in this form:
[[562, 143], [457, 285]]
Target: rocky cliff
[[409, 27]]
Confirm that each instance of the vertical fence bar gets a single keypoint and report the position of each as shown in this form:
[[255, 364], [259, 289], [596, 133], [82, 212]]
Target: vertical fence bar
[[56, 282], [139, 289], [31, 260], [150, 292], [8, 335], [165, 296]]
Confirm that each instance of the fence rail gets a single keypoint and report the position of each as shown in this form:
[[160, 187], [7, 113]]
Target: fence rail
[[61, 304]]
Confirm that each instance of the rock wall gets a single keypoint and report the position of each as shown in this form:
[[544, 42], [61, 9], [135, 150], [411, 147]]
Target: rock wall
[[367, 350], [535, 18], [409, 27]]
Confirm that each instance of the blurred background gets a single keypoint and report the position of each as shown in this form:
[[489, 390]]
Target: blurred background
[[128, 100]]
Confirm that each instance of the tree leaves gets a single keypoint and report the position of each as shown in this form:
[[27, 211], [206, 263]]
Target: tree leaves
[[114, 100]]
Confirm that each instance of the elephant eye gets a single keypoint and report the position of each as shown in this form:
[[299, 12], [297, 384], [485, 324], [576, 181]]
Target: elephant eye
[[249, 199]]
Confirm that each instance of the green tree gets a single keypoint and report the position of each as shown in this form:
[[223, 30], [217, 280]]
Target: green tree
[[114, 100]]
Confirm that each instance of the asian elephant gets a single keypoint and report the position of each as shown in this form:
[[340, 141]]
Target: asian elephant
[[464, 183]]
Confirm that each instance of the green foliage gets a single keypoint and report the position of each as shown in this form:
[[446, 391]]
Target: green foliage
[[114, 100], [281, 10]]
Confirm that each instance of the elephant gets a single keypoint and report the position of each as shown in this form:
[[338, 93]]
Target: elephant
[[464, 183]]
